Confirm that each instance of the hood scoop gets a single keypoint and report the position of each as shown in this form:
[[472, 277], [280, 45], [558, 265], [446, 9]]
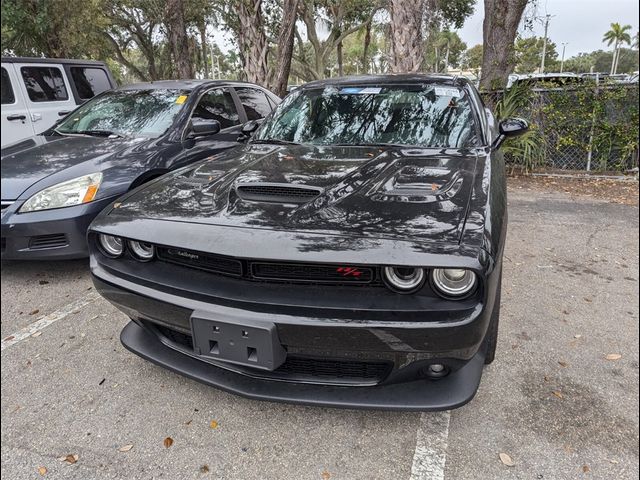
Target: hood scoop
[[277, 192]]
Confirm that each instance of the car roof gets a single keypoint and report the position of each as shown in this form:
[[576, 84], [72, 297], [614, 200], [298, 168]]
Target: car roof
[[394, 79], [51, 60], [183, 84]]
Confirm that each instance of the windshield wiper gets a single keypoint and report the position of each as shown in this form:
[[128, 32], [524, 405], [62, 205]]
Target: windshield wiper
[[392, 145], [274, 141], [99, 133]]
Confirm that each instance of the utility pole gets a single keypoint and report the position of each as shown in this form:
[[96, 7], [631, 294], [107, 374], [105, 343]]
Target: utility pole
[[564, 46], [547, 18]]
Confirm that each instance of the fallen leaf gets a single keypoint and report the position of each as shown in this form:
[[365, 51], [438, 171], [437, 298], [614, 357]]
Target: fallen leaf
[[42, 471], [36, 334], [188, 422], [125, 448], [71, 459], [9, 338], [586, 299], [33, 312], [613, 356], [586, 469], [43, 282], [558, 394], [563, 364], [325, 475], [213, 424], [168, 442], [506, 459], [204, 469]]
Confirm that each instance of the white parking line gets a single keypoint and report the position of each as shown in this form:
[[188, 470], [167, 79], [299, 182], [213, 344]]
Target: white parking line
[[430, 455], [47, 320]]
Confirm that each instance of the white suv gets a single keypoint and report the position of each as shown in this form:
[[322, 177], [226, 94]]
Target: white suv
[[37, 92]]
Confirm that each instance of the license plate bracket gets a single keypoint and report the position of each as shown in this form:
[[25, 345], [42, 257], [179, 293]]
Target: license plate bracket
[[250, 343]]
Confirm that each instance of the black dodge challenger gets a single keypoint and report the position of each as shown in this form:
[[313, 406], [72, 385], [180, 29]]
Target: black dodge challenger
[[348, 255]]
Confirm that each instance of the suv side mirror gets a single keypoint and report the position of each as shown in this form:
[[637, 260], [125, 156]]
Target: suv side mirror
[[509, 128], [247, 130], [204, 128]]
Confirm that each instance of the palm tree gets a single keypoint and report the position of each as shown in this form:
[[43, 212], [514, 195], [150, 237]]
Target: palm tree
[[617, 35]]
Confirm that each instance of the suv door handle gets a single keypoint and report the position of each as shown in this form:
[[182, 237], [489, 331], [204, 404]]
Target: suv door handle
[[12, 118], [63, 113]]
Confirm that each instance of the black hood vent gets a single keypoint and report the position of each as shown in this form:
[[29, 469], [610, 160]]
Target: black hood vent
[[277, 192]]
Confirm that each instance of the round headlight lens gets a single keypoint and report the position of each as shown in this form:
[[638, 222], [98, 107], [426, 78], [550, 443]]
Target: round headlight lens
[[141, 250], [403, 279], [111, 246], [453, 282]]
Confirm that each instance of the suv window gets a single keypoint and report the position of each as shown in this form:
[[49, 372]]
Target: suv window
[[44, 84], [7, 89], [255, 103], [89, 81], [218, 105]]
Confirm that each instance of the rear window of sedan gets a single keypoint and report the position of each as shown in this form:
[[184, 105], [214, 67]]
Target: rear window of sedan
[[426, 115]]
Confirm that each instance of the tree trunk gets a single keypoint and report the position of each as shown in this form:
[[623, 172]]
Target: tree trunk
[[406, 35], [286, 37], [252, 41], [205, 51], [500, 27], [178, 41], [365, 48]]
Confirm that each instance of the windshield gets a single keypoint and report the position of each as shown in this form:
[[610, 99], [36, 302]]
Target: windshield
[[145, 113], [415, 115]]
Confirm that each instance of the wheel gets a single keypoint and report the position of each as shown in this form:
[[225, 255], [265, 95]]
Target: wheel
[[492, 333]]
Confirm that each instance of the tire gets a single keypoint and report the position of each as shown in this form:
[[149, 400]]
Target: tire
[[492, 333]]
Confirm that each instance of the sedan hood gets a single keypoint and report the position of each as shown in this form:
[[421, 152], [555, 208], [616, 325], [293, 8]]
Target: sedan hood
[[396, 193], [34, 159]]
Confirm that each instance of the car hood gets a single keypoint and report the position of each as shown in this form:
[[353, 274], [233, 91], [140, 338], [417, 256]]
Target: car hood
[[397, 193], [30, 161]]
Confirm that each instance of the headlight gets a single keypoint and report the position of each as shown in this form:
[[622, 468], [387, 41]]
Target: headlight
[[66, 194], [403, 279], [110, 245], [141, 250], [453, 282]]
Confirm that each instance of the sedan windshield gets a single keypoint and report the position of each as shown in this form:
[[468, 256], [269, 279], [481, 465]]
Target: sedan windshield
[[144, 113], [427, 115]]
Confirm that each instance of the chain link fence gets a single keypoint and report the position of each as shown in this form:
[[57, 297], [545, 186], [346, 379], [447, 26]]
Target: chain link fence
[[588, 128]]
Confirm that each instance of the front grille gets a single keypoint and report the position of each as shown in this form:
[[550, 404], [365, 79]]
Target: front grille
[[203, 261], [333, 370], [311, 273], [5, 203], [277, 193], [55, 240], [301, 368]]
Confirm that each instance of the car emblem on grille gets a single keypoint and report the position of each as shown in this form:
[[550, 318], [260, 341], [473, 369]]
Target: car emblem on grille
[[349, 271], [182, 253]]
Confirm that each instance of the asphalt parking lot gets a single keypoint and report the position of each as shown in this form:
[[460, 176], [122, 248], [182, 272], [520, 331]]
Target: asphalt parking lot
[[561, 400]]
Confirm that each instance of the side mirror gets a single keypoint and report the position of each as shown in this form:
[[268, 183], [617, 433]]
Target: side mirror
[[509, 128], [247, 130], [204, 128]]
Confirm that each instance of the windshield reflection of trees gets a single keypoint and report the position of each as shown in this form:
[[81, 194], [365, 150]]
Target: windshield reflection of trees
[[396, 115]]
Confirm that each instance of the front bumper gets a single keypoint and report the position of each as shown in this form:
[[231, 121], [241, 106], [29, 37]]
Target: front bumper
[[57, 234], [410, 346], [449, 392]]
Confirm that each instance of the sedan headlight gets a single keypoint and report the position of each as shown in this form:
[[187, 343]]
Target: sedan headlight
[[453, 282], [66, 194]]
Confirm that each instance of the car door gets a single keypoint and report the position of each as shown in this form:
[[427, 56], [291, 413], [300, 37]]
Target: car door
[[218, 104], [48, 94], [16, 123]]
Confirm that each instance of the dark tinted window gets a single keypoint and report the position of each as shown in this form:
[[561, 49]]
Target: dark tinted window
[[44, 84], [89, 81], [217, 105], [7, 89], [255, 103]]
